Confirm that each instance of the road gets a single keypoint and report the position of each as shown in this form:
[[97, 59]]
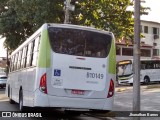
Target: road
[[123, 102], [150, 100]]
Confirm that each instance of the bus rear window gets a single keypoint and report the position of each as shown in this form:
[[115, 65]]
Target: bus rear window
[[79, 42]]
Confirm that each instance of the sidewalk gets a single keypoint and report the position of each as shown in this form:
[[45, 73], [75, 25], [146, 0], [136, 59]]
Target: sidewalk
[[121, 88]]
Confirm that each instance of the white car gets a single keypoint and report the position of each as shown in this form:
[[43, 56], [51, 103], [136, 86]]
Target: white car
[[3, 81]]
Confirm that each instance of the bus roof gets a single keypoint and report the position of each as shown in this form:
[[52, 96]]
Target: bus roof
[[78, 27]]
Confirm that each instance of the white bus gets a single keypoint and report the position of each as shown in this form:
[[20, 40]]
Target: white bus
[[64, 66], [149, 71]]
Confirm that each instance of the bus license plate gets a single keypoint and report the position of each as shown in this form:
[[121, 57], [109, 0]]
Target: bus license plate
[[78, 92]]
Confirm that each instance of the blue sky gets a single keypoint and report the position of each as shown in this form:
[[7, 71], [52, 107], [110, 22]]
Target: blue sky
[[154, 15]]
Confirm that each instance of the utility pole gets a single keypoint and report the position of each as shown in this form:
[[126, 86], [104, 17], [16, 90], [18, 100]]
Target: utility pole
[[136, 61], [68, 7], [7, 69]]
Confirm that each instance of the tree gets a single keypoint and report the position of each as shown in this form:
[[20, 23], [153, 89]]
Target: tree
[[20, 18]]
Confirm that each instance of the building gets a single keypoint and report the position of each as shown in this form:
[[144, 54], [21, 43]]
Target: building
[[151, 32], [3, 62], [150, 43]]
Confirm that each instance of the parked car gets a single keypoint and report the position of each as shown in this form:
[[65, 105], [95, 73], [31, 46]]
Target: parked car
[[3, 81]]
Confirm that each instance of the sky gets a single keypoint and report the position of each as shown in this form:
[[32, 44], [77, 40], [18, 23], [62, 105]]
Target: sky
[[154, 15]]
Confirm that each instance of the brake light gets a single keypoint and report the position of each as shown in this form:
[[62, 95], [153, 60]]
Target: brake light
[[43, 84], [111, 89]]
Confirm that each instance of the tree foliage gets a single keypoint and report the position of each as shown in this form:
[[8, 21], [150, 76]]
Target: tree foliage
[[20, 18]]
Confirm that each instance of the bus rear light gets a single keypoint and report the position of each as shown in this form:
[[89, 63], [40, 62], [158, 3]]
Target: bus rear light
[[111, 89], [43, 84]]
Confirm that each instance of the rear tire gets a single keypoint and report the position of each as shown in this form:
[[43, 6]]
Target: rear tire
[[21, 107], [146, 80], [131, 84]]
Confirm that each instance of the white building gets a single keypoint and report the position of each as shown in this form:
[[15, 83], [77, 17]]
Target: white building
[[150, 43], [151, 32], [3, 62]]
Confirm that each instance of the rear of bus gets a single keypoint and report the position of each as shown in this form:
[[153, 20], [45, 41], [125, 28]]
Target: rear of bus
[[125, 72], [77, 68]]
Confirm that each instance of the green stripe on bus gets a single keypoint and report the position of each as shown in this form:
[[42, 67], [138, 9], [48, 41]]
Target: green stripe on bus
[[44, 59], [124, 78], [112, 59]]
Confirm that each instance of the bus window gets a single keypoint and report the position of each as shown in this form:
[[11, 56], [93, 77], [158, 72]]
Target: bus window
[[32, 52], [19, 60], [25, 56], [35, 52], [29, 54], [79, 42]]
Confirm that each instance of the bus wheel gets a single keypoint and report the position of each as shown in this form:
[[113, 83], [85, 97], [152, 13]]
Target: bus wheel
[[21, 107], [131, 84], [146, 80]]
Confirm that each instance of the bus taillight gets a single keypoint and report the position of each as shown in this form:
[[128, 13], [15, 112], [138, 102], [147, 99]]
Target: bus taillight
[[111, 89], [43, 84]]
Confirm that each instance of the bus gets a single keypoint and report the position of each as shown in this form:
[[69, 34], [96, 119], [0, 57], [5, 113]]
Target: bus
[[64, 66], [149, 71]]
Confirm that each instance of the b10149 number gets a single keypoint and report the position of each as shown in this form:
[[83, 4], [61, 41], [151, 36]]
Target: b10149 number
[[95, 75]]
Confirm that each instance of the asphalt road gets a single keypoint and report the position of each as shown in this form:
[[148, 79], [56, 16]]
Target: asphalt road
[[150, 101]]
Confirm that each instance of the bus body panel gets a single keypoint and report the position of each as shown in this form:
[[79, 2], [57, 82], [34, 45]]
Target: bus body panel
[[68, 92], [74, 73], [25, 79]]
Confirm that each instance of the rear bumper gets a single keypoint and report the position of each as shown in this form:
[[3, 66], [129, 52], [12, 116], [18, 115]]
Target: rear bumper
[[125, 81], [44, 100]]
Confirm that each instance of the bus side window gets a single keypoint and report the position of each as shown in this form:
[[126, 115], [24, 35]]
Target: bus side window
[[35, 52], [15, 62], [31, 53], [142, 66], [25, 57], [13, 67], [12, 63], [22, 60], [19, 59]]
